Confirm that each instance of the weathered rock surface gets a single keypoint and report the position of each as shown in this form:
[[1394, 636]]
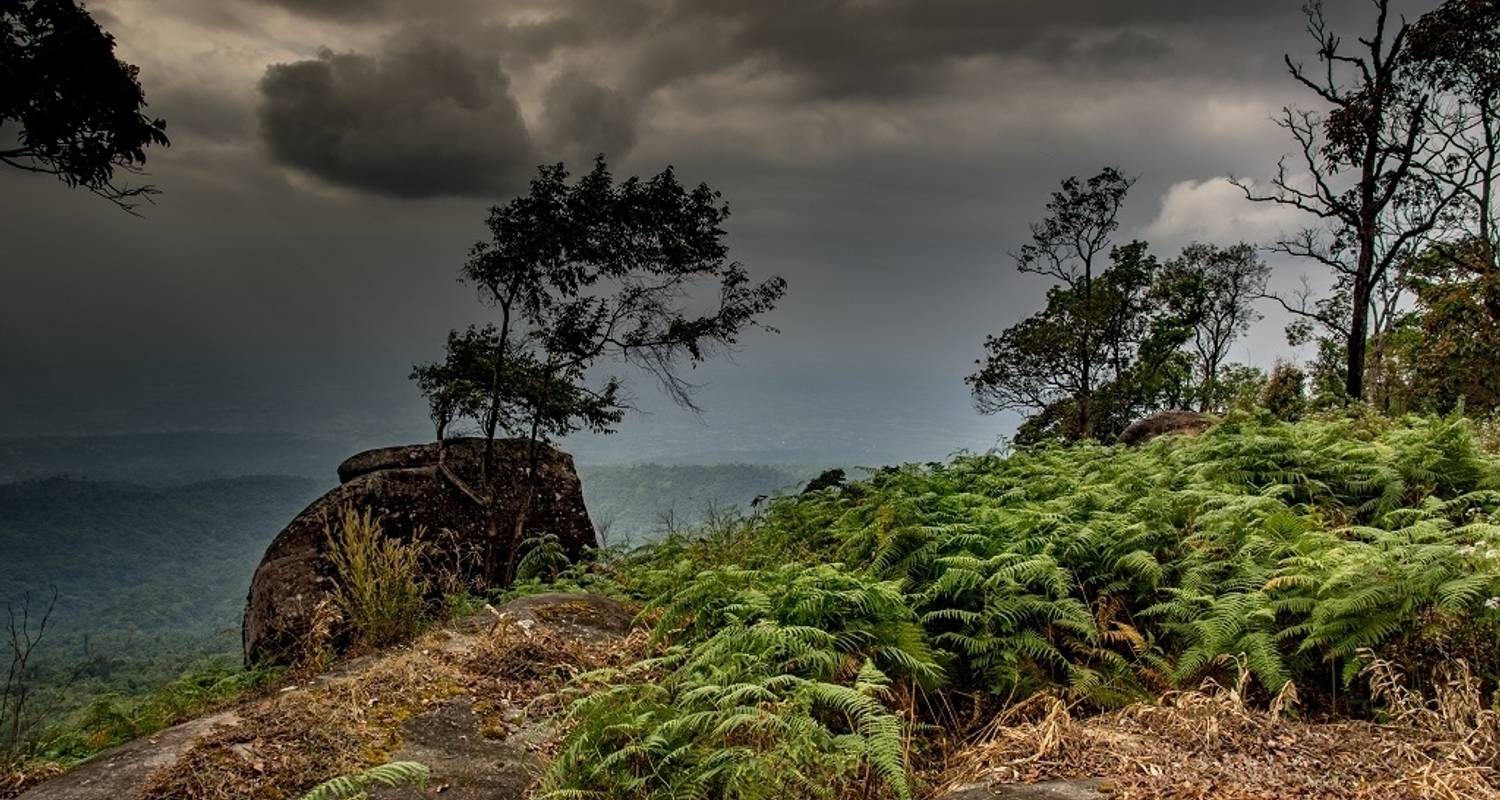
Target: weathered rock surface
[[121, 773], [405, 486], [1147, 428], [467, 763]]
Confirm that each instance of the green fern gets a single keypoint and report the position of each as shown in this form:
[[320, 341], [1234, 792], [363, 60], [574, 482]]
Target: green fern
[[357, 786], [789, 645]]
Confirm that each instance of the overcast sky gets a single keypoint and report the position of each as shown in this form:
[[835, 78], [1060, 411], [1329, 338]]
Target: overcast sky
[[332, 161]]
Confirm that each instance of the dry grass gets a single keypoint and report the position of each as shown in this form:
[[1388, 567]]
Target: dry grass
[[379, 585], [1211, 744], [521, 665], [351, 720], [288, 743]]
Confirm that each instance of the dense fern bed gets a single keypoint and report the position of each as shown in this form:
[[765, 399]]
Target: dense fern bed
[[799, 650]]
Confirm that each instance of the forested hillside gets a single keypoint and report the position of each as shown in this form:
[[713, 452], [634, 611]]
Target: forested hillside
[[147, 579]]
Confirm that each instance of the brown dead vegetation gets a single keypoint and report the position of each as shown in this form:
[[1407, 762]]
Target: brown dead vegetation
[[351, 719], [288, 743], [1210, 744]]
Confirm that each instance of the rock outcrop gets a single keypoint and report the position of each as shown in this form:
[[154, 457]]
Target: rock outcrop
[[405, 486], [1147, 428]]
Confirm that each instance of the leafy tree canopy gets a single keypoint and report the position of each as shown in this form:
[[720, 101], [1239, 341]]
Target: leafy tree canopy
[[68, 106]]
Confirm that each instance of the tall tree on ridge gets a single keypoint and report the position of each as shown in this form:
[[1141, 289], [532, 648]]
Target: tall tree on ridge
[[1363, 170], [1069, 246]]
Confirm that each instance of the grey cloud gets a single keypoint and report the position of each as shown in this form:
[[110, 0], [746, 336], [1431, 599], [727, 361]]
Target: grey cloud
[[828, 49], [889, 207], [377, 10], [335, 8], [424, 118], [583, 119]]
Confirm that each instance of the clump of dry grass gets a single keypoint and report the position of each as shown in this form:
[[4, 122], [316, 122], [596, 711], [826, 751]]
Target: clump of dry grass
[[521, 665], [378, 582], [344, 722], [1211, 744]]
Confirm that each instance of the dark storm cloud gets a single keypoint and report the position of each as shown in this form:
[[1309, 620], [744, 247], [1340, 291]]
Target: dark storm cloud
[[582, 119], [376, 10], [424, 118], [439, 117], [883, 155], [829, 49]]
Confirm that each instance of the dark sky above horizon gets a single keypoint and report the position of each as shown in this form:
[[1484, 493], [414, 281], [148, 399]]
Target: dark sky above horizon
[[332, 161]]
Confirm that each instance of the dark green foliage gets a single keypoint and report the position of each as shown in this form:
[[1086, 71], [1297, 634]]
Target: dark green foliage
[[827, 479], [542, 558], [69, 108], [1107, 574], [774, 687], [1284, 394]]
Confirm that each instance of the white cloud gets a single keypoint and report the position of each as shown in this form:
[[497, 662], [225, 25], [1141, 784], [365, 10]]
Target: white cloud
[[1214, 210]]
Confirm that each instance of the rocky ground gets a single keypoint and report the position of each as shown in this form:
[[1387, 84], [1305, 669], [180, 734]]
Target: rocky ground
[[469, 700]]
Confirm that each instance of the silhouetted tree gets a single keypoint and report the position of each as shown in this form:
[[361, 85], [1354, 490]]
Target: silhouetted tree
[[579, 274], [827, 479], [1213, 289], [1364, 170], [68, 107], [24, 630]]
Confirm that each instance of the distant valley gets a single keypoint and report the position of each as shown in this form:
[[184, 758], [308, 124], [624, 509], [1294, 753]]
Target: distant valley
[[151, 574]]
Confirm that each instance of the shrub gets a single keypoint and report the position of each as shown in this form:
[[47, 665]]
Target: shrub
[[543, 558], [378, 583], [1284, 393]]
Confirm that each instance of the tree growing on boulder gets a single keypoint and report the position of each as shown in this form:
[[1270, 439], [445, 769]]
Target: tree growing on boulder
[[579, 274]]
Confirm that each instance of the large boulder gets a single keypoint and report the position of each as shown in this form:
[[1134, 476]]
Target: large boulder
[[405, 486], [1162, 423]]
